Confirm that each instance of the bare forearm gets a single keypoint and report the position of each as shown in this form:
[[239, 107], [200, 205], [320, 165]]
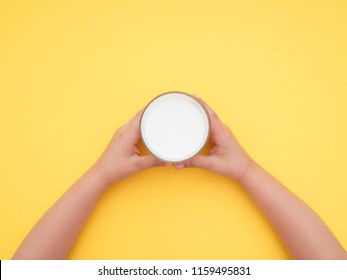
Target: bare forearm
[[302, 231], [55, 233]]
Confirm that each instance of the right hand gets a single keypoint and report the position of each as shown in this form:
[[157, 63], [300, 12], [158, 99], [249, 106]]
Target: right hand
[[227, 157]]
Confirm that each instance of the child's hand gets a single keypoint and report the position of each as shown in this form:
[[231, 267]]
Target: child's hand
[[122, 158], [227, 157]]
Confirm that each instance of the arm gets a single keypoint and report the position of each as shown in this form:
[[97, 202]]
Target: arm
[[56, 232], [302, 231]]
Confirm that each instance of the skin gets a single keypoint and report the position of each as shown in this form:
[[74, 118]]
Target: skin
[[302, 231], [56, 232]]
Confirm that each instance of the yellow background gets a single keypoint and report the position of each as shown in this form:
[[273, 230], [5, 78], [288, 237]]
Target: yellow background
[[72, 72]]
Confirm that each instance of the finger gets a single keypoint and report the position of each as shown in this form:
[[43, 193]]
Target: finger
[[149, 161], [214, 150], [209, 109], [181, 165], [144, 162], [135, 121], [133, 128], [217, 127], [204, 162]]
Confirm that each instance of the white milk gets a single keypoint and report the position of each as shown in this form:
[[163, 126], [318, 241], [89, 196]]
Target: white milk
[[175, 127]]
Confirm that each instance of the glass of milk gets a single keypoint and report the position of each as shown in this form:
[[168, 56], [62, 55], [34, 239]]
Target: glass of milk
[[175, 126]]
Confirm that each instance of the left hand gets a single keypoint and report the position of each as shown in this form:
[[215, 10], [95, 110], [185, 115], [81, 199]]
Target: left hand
[[122, 158]]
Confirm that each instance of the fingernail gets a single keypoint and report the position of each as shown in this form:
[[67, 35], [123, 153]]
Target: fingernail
[[180, 166]]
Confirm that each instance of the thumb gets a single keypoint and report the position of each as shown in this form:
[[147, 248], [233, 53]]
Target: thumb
[[204, 162]]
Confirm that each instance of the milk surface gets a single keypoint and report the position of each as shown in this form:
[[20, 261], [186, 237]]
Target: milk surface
[[174, 127]]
